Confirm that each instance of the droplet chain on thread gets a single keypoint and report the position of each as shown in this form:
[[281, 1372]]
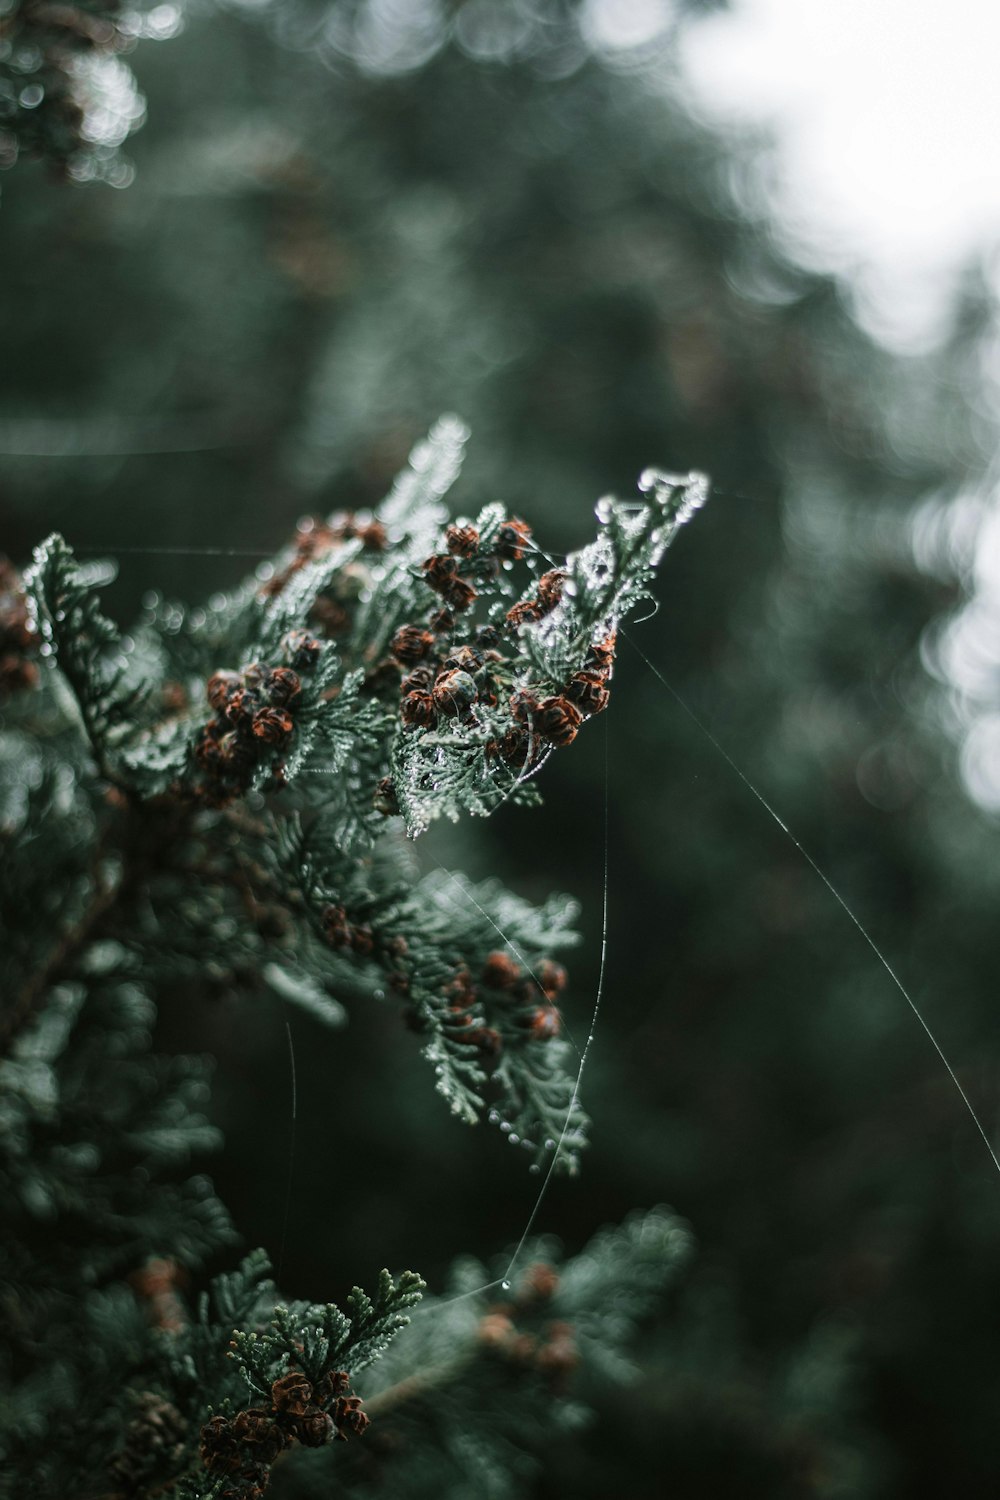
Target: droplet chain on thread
[[834, 892]]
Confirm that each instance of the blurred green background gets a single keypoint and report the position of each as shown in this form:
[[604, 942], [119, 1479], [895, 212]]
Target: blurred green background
[[347, 218]]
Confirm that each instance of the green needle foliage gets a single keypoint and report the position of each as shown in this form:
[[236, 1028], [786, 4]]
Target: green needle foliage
[[227, 798]]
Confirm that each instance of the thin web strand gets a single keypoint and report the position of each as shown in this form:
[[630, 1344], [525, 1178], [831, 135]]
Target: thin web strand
[[504, 1282], [574, 1100], [834, 892]]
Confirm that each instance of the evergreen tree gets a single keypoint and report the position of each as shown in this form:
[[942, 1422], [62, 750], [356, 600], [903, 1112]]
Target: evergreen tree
[[332, 246], [217, 799]]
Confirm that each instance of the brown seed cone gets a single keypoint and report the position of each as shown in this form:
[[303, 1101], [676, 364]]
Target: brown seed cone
[[348, 1418], [241, 705], [495, 1330], [292, 1393], [454, 693], [418, 708], [463, 659], [363, 941], [314, 1427], [418, 680], [511, 539], [257, 1428], [558, 720], [500, 972], [439, 571], [550, 588], [273, 725], [601, 654], [552, 978], [219, 687], [284, 687], [462, 541], [588, 692], [525, 613], [155, 1435], [302, 649], [333, 1383], [336, 928], [545, 1023], [411, 644], [219, 1449], [539, 1282], [459, 593]]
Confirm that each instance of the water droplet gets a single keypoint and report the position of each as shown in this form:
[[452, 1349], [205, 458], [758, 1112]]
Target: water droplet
[[378, 994], [505, 1284], [494, 1117], [512, 1139], [550, 1144], [506, 1126], [605, 509], [534, 1168]]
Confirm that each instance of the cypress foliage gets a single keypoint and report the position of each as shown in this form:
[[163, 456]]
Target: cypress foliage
[[226, 798]]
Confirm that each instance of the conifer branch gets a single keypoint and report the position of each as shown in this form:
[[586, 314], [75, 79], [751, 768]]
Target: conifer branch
[[231, 798]]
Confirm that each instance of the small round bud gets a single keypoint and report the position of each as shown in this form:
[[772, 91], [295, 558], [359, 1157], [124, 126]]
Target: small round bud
[[511, 539], [418, 708], [454, 693], [272, 725], [292, 1393], [220, 686], [302, 649], [588, 692], [500, 972], [558, 720], [545, 1023], [439, 571], [463, 541], [411, 644], [314, 1428], [284, 687]]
